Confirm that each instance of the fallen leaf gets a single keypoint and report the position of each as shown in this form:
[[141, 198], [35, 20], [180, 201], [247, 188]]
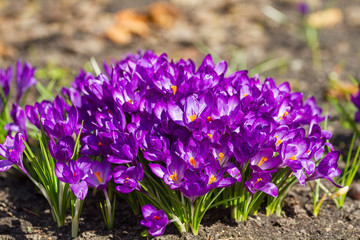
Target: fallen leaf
[[133, 22], [326, 18], [163, 14], [119, 35]]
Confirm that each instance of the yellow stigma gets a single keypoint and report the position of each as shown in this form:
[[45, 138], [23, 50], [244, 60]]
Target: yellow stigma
[[246, 94], [10, 150], [211, 180], [210, 135], [278, 142], [126, 180], [193, 117], [293, 158], [262, 160], [284, 115], [192, 161], [99, 176], [174, 176], [130, 101], [221, 156], [258, 180], [174, 89], [209, 118]]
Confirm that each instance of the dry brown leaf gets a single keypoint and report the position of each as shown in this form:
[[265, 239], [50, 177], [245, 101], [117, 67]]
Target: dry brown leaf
[[326, 18], [342, 90], [119, 35], [133, 22], [163, 14]]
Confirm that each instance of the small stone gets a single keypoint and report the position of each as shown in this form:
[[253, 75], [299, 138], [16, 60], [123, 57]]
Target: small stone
[[327, 229], [354, 191]]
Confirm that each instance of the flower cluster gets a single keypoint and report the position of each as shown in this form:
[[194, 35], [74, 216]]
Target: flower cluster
[[196, 129]]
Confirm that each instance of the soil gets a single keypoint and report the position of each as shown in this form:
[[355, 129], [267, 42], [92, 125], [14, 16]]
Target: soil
[[68, 33]]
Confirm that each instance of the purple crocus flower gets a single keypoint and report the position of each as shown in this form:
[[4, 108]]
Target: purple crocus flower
[[155, 220], [12, 150], [99, 174], [303, 8], [356, 100], [19, 118], [63, 150], [327, 168], [261, 181], [128, 178], [24, 78], [74, 173], [5, 80]]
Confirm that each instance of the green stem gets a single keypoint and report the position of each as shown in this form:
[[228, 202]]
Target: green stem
[[75, 219]]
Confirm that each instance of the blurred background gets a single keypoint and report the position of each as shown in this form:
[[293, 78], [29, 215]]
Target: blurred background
[[312, 44]]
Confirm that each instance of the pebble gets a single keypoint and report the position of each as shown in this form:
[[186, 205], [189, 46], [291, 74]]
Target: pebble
[[354, 191]]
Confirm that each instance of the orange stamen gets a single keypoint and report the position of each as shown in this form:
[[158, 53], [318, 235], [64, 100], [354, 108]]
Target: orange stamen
[[258, 180], [284, 115], [308, 151], [246, 94], [211, 180], [262, 160], [193, 117], [101, 144], [293, 157], [156, 218], [174, 89], [278, 142], [174, 176], [210, 136], [209, 118], [99, 176], [130, 101], [192, 161], [126, 180], [221, 156]]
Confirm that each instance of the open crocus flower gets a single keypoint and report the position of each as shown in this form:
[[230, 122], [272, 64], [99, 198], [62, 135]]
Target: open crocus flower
[[128, 178], [12, 150], [74, 173], [327, 168], [155, 220], [99, 174], [261, 181]]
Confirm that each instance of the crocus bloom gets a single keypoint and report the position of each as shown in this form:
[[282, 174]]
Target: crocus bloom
[[12, 150], [63, 150], [74, 173], [5, 80], [155, 220], [327, 168], [24, 78], [99, 174], [128, 178], [261, 181], [19, 124]]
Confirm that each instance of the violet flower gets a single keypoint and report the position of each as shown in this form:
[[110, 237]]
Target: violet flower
[[261, 181], [155, 220], [128, 178], [63, 150], [24, 78], [99, 174], [5, 80], [12, 152], [327, 168], [19, 124], [74, 173]]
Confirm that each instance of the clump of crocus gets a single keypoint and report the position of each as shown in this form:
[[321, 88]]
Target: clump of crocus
[[181, 138]]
